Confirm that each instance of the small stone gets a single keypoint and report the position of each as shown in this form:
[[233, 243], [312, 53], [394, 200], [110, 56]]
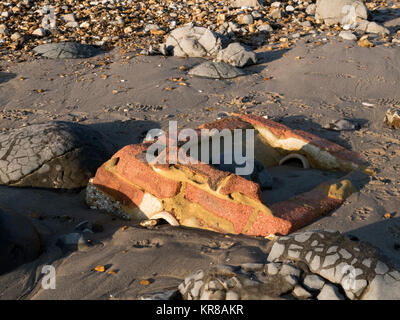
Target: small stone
[[301, 293], [40, 32], [381, 268], [289, 270], [348, 35], [330, 260], [245, 19], [276, 252], [313, 282], [216, 70], [345, 254], [315, 264], [272, 268], [236, 55], [329, 292]]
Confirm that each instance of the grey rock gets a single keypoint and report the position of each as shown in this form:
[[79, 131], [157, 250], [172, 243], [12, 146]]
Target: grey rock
[[311, 8], [315, 263], [73, 241], [348, 35], [301, 293], [191, 41], [216, 70], [265, 28], [381, 268], [340, 11], [19, 241], [330, 260], [276, 251], [342, 125], [272, 268], [371, 27], [287, 269], [66, 50], [330, 292], [313, 282], [52, 155], [237, 55], [246, 19]]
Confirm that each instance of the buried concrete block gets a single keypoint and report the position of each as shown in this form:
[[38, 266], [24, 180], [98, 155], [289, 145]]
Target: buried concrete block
[[202, 196]]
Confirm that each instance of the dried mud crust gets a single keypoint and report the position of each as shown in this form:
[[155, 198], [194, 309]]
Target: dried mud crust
[[51, 155], [308, 265]]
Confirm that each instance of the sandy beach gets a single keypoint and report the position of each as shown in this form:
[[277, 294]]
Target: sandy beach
[[318, 79]]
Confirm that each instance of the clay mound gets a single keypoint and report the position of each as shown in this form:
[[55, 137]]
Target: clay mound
[[202, 196]]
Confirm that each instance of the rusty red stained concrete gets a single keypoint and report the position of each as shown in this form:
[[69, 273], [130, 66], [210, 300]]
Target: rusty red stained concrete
[[239, 184], [141, 174], [226, 123], [265, 225], [300, 213], [236, 213], [117, 189]]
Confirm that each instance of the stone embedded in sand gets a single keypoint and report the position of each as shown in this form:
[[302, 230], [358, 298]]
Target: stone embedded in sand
[[216, 70], [19, 241], [392, 119], [371, 27], [203, 196], [191, 41], [66, 50], [51, 155], [342, 125], [346, 268], [237, 55], [340, 11]]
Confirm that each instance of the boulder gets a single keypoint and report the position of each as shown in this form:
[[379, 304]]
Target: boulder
[[57, 155], [237, 55], [215, 70], [340, 11], [66, 50], [191, 41], [19, 241]]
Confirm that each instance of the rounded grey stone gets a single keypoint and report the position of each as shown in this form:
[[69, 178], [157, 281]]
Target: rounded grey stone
[[59, 155], [66, 50], [19, 241]]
